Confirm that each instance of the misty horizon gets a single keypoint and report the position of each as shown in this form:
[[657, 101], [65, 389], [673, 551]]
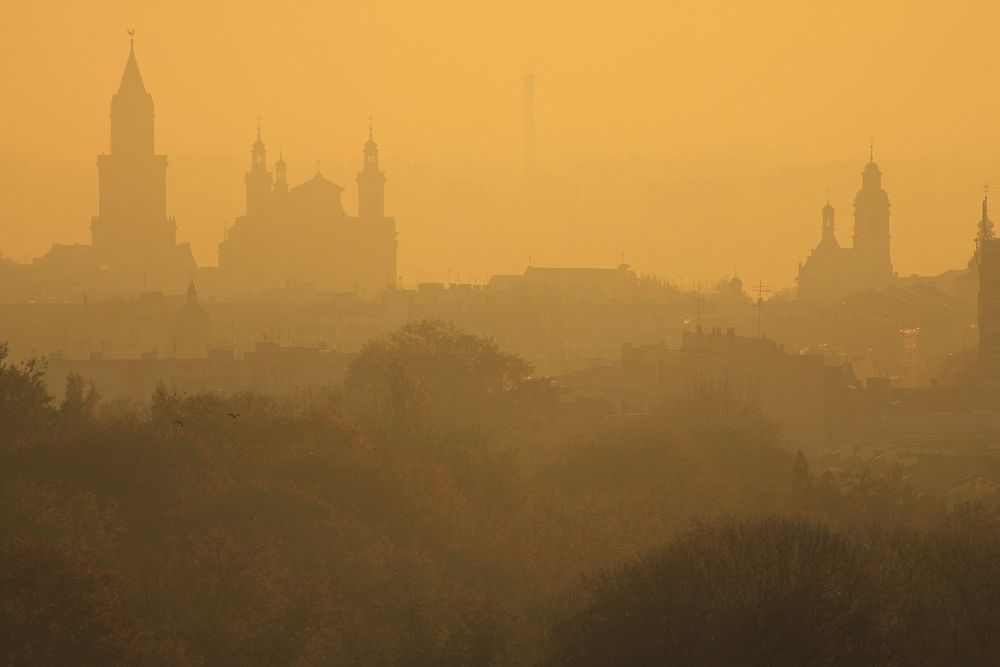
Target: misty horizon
[[518, 334], [760, 185]]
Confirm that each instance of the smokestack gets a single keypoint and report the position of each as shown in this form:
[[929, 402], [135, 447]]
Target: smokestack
[[529, 124]]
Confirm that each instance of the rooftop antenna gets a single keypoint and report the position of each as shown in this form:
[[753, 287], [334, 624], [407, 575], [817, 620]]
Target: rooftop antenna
[[761, 289]]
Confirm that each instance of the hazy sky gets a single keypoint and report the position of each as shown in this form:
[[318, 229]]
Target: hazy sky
[[746, 112]]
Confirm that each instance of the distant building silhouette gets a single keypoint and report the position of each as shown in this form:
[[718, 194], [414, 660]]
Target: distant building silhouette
[[191, 329], [988, 252], [134, 246], [833, 271], [984, 232], [576, 283], [302, 235]]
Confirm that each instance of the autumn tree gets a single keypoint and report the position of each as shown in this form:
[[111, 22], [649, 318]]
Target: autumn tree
[[24, 400]]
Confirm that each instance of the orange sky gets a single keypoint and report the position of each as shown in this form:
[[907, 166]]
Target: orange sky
[[748, 111]]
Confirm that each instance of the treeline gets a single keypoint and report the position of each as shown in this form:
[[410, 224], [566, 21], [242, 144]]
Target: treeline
[[447, 507], [783, 591]]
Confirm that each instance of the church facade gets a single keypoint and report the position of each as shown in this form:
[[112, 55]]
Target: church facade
[[288, 236], [301, 235], [833, 271]]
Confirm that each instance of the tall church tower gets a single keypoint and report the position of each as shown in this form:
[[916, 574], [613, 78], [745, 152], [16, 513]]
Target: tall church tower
[[258, 179], [132, 228], [371, 184], [871, 227]]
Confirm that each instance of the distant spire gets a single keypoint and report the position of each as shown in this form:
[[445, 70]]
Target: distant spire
[[258, 128], [871, 149], [986, 202], [370, 146], [985, 224], [131, 78]]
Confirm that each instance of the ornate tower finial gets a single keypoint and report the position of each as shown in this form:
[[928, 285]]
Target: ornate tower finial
[[258, 128], [131, 38], [371, 181], [871, 149]]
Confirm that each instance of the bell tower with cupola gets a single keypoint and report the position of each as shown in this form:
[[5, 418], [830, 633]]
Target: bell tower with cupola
[[258, 179], [371, 183], [871, 226]]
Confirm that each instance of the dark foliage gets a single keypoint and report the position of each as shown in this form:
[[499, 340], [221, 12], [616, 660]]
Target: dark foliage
[[399, 524]]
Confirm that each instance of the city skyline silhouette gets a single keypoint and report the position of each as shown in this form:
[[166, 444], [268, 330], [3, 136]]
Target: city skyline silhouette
[[761, 177]]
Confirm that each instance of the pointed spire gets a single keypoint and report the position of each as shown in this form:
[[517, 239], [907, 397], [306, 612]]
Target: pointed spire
[[258, 152], [985, 224], [871, 149], [371, 148], [131, 78]]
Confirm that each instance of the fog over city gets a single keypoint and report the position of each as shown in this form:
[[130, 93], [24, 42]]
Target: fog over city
[[527, 334]]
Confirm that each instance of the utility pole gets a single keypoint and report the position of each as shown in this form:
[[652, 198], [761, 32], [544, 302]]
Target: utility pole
[[761, 289]]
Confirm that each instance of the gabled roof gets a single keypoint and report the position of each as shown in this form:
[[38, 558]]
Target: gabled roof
[[318, 183]]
